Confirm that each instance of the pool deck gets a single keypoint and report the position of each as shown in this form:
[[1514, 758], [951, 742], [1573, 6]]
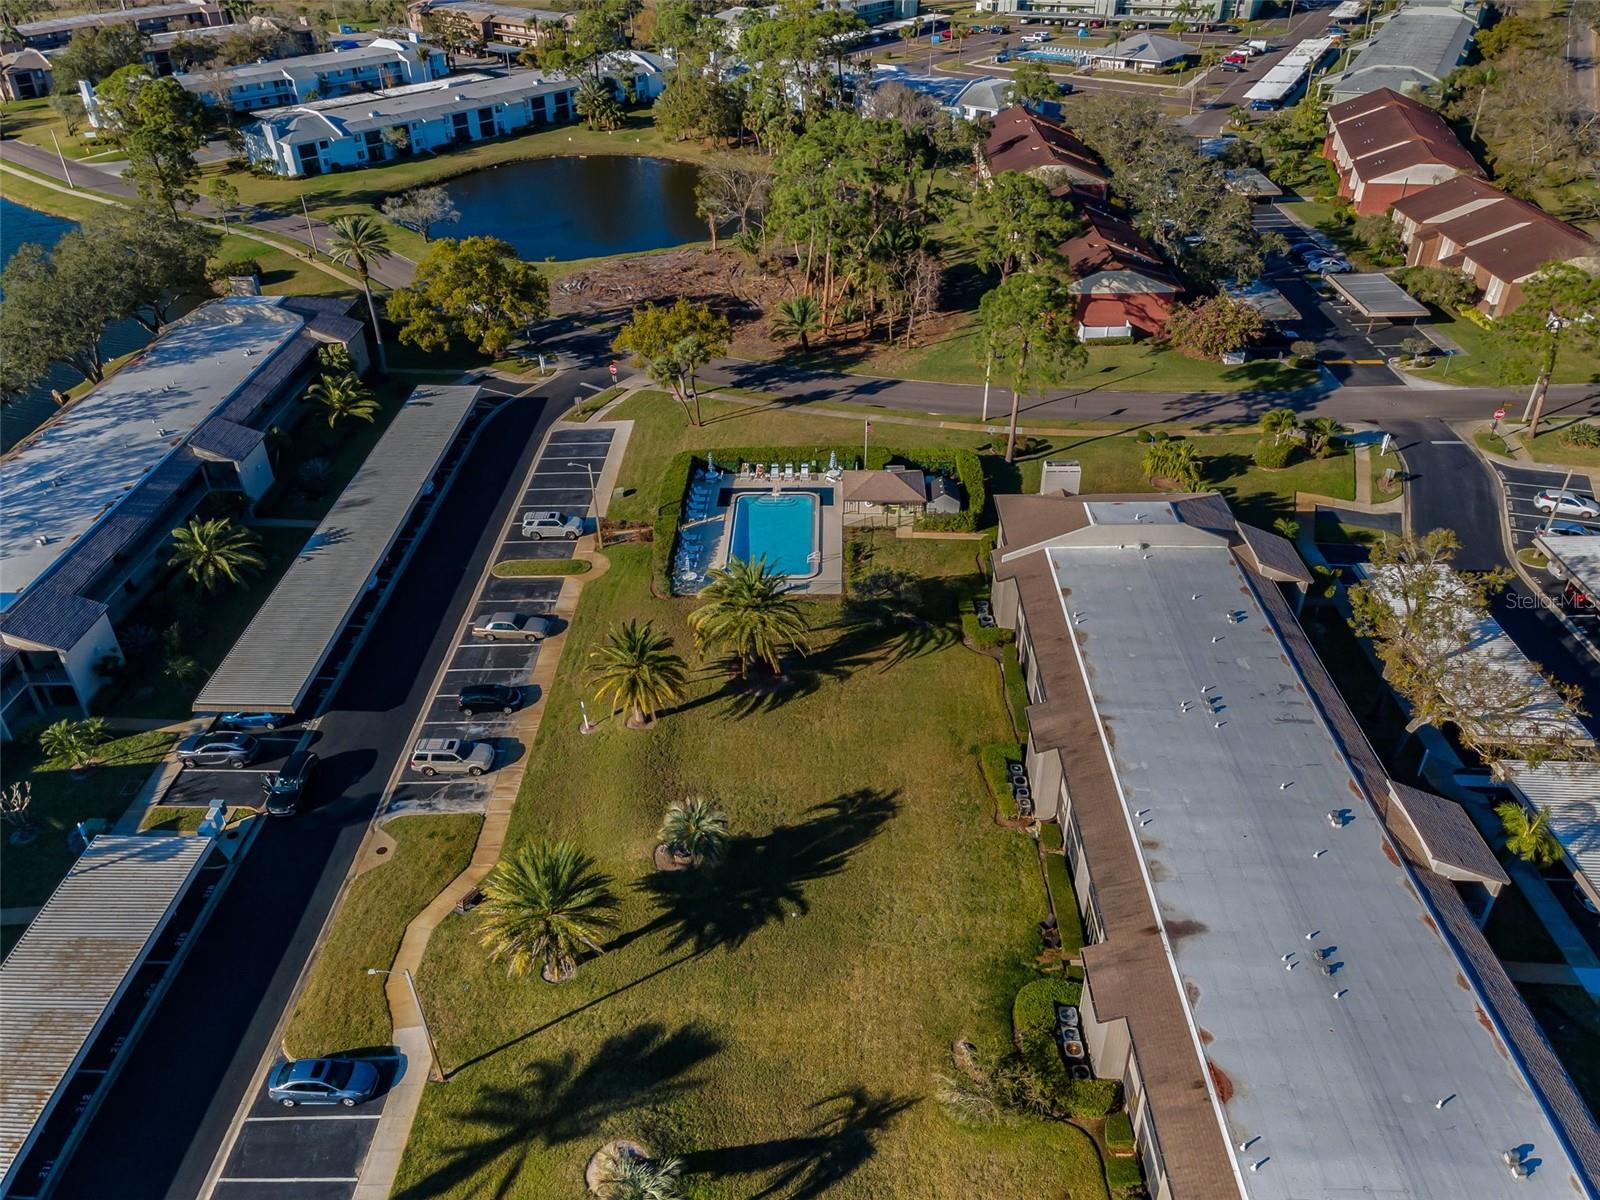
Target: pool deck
[[829, 579]]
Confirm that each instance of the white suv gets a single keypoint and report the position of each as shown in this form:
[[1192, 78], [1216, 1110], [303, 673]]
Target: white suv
[[541, 525]]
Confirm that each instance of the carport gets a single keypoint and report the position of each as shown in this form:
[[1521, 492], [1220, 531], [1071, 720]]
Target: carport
[[1377, 297], [364, 536], [1570, 793], [75, 989]]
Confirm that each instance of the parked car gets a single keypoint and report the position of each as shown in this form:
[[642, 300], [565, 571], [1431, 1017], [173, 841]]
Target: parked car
[[1234, 68], [1065, 87], [218, 750], [249, 721], [1236, 56], [541, 525], [451, 756], [996, 29], [487, 697], [1328, 264], [346, 1081], [1565, 529], [286, 792], [510, 626], [1568, 503], [1036, 38]]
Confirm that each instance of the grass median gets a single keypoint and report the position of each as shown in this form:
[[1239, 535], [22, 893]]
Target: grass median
[[342, 1008]]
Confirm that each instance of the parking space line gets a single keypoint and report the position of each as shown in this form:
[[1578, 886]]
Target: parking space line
[[287, 1179], [323, 1117]]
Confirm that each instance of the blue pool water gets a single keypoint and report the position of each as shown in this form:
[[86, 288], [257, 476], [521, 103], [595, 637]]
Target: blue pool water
[[781, 529]]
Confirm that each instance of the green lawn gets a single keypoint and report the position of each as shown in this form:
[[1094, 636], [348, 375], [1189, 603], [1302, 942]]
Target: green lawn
[[210, 625], [29, 873], [33, 121], [1140, 367], [176, 818], [515, 567], [342, 1007], [779, 1024], [1548, 447], [1485, 362], [20, 189]]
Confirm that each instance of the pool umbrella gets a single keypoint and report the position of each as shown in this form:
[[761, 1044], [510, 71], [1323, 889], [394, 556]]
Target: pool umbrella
[[833, 460], [711, 463]]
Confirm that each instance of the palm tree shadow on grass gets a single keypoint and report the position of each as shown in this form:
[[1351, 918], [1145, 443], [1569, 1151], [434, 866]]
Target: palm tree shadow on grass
[[562, 1099], [842, 1137], [761, 879]]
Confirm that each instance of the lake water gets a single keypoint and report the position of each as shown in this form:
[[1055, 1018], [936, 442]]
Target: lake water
[[572, 207], [19, 224]]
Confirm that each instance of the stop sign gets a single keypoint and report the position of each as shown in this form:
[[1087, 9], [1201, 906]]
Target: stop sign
[[1500, 414]]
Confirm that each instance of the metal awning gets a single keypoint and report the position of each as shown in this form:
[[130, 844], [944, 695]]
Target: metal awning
[[275, 660], [64, 977], [1376, 295], [1570, 792]]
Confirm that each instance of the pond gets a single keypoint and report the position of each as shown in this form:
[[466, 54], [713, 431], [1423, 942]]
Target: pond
[[19, 224], [580, 207]]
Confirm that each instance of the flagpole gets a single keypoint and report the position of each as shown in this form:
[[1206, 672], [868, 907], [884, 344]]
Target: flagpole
[[866, 428]]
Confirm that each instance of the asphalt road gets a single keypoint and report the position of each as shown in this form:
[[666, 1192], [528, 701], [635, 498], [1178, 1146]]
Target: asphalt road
[[158, 1131], [1450, 487]]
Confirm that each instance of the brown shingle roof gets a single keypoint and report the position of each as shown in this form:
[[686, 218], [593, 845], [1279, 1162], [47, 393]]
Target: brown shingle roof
[[1385, 131], [884, 487], [1509, 238], [1023, 141], [1108, 243]]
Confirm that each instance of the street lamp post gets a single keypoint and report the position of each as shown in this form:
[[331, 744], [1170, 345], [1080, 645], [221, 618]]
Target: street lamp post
[[594, 504], [437, 1068]]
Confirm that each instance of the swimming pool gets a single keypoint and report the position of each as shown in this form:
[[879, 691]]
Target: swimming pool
[[782, 529]]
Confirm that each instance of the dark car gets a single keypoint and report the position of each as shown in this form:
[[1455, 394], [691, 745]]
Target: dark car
[[343, 1081], [1064, 87], [218, 750], [249, 721], [285, 793], [487, 697]]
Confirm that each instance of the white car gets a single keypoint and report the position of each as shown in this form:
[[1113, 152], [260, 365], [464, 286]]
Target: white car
[[1570, 504], [1036, 38], [1328, 265], [541, 525]]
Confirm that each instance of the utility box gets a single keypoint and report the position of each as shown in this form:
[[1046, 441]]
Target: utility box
[[1061, 475]]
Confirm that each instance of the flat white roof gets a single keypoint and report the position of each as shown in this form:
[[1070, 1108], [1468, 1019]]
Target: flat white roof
[[1333, 1080], [1579, 556], [56, 484], [1571, 791], [62, 978]]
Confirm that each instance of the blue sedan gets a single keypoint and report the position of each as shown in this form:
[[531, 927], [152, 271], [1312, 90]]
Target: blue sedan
[[250, 721], [343, 1081]]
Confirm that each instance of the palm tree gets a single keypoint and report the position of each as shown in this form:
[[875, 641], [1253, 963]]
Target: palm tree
[[628, 1176], [545, 907], [1322, 431], [73, 742], [696, 830], [1528, 835], [1176, 461], [345, 397], [596, 103], [637, 672], [1277, 423], [797, 317], [215, 550], [357, 241], [748, 606]]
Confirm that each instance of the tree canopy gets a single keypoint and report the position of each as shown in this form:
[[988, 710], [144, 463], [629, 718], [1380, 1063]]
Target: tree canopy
[[1027, 331], [672, 343], [159, 125], [476, 289]]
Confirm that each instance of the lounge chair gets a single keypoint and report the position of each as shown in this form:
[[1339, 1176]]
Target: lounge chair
[[777, 471], [788, 472], [805, 472]]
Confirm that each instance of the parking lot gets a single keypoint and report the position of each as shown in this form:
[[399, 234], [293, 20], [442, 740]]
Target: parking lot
[[1521, 485], [1353, 349], [308, 1153], [200, 787], [559, 481]]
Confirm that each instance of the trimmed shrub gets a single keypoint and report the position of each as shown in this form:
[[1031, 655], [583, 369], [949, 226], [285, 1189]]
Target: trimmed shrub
[[1119, 1131], [968, 470], [1273, 454], [1581, 434], [1016, 689], [993, 758], [1123, 1176], [669, 507], [236, 266]]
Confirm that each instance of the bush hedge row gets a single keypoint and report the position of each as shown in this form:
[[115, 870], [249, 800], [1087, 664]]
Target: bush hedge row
[[1033, 1019], [994, 758]]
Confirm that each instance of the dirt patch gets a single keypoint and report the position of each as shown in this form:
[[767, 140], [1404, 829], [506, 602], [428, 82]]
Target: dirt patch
[[1461, 982], [1220, 1081]]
